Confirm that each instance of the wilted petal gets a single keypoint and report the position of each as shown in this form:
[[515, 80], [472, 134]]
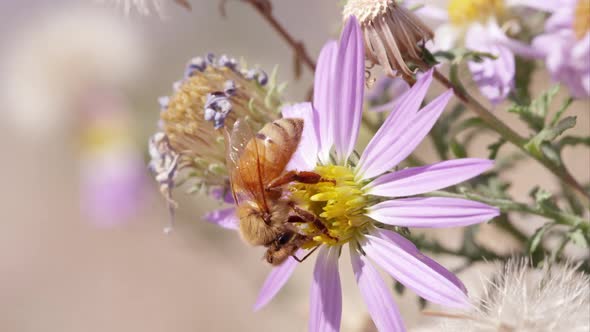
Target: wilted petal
[[225, 218], [399, 138], [275, 281], [412, 250], [348, 89], [432, 212], [305, 157], [376, 294], [419, 180], [326, 293], [322, 99], [414, 273]]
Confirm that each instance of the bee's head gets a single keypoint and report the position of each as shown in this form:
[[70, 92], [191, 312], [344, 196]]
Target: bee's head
[[280, 249]]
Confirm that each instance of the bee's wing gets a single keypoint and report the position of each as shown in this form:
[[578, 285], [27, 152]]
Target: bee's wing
[[244, 164]]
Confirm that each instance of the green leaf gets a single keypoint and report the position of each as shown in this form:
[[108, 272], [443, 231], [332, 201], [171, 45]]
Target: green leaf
[[537, 238], [421, 303], [535, 113], [578, 238], [524, 72], [566, 104], [548, 135], [399, 288], [495, 148], [458, 149]]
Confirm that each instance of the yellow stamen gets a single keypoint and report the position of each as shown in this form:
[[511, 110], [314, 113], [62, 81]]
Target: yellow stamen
[[340, 205], [582, 18], [462, 12]]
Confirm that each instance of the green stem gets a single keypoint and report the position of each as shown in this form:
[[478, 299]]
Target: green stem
[[473, 256], [510, 135], [506, 205]]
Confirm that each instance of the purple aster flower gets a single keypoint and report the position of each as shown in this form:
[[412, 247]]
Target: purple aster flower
[[366, 197], [112, 170], [567, 32], [477, 25]]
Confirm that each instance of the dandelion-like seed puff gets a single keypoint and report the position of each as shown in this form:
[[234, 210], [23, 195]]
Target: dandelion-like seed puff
[[522, 298], [145, 7]]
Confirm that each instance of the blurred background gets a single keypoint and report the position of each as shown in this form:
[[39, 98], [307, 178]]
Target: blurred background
[[81, 242]]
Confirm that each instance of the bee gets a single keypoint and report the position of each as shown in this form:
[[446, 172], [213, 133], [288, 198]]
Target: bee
[[257, 163]]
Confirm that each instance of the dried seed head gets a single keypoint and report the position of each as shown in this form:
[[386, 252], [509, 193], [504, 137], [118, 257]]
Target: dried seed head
[[213, 94], [394, 36]]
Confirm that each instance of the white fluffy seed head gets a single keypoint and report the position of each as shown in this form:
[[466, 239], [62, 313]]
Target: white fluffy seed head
[[57, 57], [366, 10], [524, 299], [143, 7]]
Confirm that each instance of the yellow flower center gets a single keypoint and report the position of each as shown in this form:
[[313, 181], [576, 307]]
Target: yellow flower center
[[582, 18], [463, 12], [339, 204]]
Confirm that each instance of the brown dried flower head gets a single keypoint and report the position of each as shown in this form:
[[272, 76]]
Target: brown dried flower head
[[394, 36], [215, 92]]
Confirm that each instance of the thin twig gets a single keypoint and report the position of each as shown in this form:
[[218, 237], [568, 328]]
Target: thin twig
[[264, 8]]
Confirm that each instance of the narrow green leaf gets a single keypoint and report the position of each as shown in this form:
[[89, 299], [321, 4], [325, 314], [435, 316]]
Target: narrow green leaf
[[458, 149], [537, 237], [495, 148], [578, 238]]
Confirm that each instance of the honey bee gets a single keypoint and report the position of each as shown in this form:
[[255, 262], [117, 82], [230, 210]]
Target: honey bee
[[257, 171]]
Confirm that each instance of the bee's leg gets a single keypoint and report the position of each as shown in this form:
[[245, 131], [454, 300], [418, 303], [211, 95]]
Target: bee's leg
[[295, 176], [300, 260], [309, 217]]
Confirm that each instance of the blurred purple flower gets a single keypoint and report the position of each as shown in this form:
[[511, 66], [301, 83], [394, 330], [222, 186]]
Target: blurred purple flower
[[476, 25], [369, 186], [113, 173], [565, 45]]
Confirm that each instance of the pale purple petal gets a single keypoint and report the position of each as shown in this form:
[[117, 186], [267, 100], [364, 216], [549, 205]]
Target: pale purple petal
[[420, 180], [394, 126], [305, 158], [494, 77], [414, 273], [348, 89], [432, 212], [376, 294], [111, 186], [408, 246], [275, 281], [225, 218], [397, 92], [386, 151], [322, 101], [325, 309]]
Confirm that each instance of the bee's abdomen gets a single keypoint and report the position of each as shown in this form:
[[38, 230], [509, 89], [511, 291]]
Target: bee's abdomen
[[282, 132]]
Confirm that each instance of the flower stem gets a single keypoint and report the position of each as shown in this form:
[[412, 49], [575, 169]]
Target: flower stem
[[505, 205], [264, 8], [510, 135]]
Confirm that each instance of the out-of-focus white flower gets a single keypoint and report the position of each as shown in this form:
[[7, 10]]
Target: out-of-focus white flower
[[145, 7], [524, 299], [56, 57]]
